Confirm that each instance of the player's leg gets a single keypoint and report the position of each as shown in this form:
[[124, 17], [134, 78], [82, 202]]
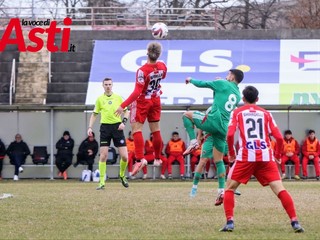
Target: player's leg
[[267, 174], [164, 166], [287, 203], [284, 159], [188, 124], [130, 163], [139, 147], [170, 161], [221, 173], [102, 166], [316, 167], [105, 139], [240, 174], [296, 161], [154, 115], [138, 115], [193, 161], [123, 152], [119, 141], [206, 153], [180, 159], [229, 204], [149, 158], [305, 161], [190, 120]]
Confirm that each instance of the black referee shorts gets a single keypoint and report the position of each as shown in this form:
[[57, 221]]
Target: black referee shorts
[[110, 131]]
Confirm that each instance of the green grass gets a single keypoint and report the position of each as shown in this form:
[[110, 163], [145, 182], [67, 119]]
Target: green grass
[[44, 209]]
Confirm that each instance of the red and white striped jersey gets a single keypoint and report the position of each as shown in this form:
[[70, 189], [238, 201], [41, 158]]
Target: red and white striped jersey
[[255, 126]]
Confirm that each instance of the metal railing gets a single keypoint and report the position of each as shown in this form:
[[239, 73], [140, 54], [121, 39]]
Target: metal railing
[[12, 90], [118, 17]]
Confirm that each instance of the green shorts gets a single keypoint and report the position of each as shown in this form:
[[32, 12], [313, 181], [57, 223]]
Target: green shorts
[[207, 148], [213, 124]]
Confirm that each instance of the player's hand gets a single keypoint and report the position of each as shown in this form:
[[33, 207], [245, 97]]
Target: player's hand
[[232, 158], [119, 111], [121, 126], [188, 79], [278, 160], [89, 131]]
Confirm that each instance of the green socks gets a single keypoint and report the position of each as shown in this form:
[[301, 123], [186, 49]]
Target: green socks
[[123, 167], [188, 124], [102, 171], [196, 179], [221, 172]]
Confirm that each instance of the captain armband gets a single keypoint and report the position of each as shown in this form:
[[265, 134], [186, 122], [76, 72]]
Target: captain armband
[[124, 120]]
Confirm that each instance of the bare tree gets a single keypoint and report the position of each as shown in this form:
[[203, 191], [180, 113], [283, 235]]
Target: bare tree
[[305, 14], [250, 14]]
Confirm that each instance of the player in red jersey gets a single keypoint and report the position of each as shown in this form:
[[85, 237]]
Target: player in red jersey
[[255, 156], [145, 104]]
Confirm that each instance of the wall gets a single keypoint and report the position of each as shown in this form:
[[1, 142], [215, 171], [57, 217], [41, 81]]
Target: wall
[[35, 128]]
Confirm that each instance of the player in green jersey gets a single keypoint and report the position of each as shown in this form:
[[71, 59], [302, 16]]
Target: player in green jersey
[[111, 129], [226, 97]]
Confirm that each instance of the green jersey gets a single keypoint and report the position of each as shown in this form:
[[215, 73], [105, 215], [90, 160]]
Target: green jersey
[[107, 105], [226, 96]]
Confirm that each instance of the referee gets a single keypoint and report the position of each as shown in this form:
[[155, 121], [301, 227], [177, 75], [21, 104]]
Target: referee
[[111, 129]]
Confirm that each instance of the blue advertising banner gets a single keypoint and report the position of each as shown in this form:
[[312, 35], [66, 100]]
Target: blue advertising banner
[[203, 59], [200, 59]]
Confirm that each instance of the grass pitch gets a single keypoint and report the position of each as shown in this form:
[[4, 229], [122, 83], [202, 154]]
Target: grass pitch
[[44, 209]]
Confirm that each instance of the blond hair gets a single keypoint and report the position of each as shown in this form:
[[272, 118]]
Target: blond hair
[[154, 51]]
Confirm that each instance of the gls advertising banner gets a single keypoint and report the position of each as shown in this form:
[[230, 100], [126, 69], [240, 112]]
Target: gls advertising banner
[[200, 59]]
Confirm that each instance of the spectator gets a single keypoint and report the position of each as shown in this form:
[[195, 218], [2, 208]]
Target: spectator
[[310, 152], [88, 150], [174, 151], [18, 151], [131, 155], [150, 157], [64, 154], [290, 151], [2, 155]]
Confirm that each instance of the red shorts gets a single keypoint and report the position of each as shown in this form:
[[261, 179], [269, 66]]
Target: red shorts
[[265, 172], [143, 109]]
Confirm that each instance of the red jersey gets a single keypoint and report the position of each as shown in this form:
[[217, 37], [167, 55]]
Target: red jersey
[[148, 78], [254, 124]]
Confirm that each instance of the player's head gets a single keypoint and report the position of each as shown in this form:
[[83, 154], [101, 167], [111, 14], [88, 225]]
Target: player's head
[[107, 84], [18, 137], [312, 134], [154, 51], [250, 94], [287, 134], [235, 75], [175, 135]]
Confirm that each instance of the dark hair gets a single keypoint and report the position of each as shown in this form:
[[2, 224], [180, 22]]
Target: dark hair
[[287, 132], [175, 133], [311, 131], [238, 74], [107, 79], [66, 133], [154, 51], [250, 93]]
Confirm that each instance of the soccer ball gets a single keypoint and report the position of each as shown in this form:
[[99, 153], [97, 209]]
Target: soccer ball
[[159, 30]]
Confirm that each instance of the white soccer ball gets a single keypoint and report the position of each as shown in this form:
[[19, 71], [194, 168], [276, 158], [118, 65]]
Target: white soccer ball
[[159, 30]]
